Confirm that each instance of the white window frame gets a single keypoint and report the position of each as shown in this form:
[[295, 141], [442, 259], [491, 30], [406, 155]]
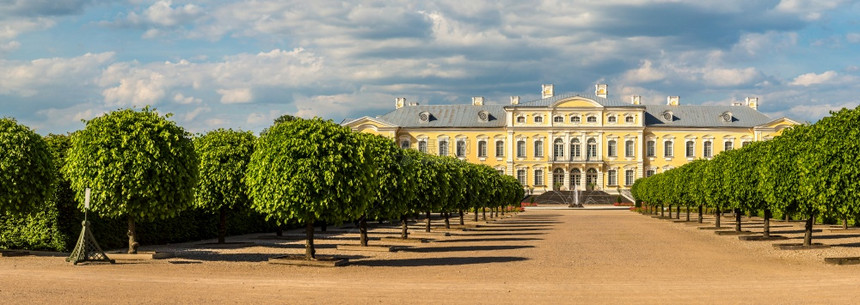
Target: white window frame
[[651, 148], [482, 148], [629, 148], [522, 148], [612, 177], [629, 177], [447, 147], [539, 177], [612, 148], [500, 153], [422, 142]]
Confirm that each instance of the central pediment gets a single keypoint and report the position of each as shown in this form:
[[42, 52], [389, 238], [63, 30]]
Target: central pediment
[[577, 102]]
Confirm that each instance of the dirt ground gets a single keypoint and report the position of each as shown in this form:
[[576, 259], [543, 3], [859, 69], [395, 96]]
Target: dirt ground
[[541, 256]]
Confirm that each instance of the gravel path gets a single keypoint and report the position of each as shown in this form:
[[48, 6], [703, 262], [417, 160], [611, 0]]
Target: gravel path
[[541, 256]]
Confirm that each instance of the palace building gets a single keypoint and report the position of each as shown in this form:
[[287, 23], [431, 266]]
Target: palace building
[[586, 141]]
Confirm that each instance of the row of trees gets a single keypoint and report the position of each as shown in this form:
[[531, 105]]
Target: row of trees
[[810, 171], [142, 166]]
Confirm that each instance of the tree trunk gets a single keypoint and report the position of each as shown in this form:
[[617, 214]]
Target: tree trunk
[[670, 211], [132, 236], [310, 252], [738, 220], [476, 214], [700, 214], [807, 238], [447, 221], [845, 222], [279, 231], [688, 213], [766, 229], [484, 211], [404, 233], [362, 228], [222, 225], [787, 217], [427, 229], [678, 211], [663, 211], [324, 226], [717, 219], [461, 218]]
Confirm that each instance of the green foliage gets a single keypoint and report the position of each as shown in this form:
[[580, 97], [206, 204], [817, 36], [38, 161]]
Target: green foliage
[[138, 164], [392, 184], [309, 170], [26, 170], [224, 156]]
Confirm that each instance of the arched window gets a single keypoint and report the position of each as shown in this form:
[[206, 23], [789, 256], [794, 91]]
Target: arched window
[[558, 149], [538, 119], [575, 149], [538, 149], [591, 177], [591, 149], [610, 148], [500, 148], [591, 119], [649, 173], [404, 144], [611, 119], [691, 149], [482, 149], [558, 119], [575, 119], [629, 148], [557, 178], [708, 149], [521, 119], [628, 119], [521, 149], [443, 148], [668, 149], [461, 148], [745, 143], [575, 178]]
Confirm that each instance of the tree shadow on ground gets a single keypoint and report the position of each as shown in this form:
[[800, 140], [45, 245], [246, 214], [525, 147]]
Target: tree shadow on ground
[[487, 239], [497, 234], [484, 229], [203, 255], [793, 231], [847, 245], [505, 225], [444, 261], [834, 236], [464, 248]]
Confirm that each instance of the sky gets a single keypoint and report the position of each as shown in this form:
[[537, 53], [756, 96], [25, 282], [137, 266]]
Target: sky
[[240, 64]]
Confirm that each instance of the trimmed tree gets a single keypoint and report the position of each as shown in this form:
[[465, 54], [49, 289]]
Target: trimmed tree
[[138, 164], [309, 170], [224, 155], [26, 168]]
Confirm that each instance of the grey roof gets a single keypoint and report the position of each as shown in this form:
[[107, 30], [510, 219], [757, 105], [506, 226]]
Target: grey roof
[[703, 116], [446, 116], [545, 102]]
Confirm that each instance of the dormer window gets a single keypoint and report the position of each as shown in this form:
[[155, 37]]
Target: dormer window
[[668, 116], [611, 119], [424, 117], [538, 119], [727, 117], [483, 116]]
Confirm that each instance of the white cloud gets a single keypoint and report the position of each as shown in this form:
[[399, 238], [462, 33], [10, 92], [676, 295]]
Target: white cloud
[[182, 99], [853, 37], [644, 74], [235, 96], [812, 78], [48, 75], [723, 77], [808, 9]]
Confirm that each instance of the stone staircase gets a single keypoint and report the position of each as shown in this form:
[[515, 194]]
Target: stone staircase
[[585, 197]]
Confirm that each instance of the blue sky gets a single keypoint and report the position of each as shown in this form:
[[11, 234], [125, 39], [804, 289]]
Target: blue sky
[[239, 64]]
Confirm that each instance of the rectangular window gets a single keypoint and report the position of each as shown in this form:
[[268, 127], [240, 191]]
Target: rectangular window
[[422, 146], [500, 171], [521, 149], [651, 151], [629, 147], [668, 149], [729, 145], [538, 177], [443, 148], [610, 149], [538, 149], [708, 149], [628, 177], [482, 149], [461, 148], [521, 176], [649, 173], [611, 178], [404, 144], [500, 149], [691, 149], [745, 143]]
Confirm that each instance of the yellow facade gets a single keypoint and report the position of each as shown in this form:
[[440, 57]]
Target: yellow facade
[[577, 141]]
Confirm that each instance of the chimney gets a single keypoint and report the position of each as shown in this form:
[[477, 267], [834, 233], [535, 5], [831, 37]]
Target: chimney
[[752, 102], [601, 90], [635, 100], [546, 90], [515, 100], [399, 102], [477, 101], [673, 100], [737, 104]]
